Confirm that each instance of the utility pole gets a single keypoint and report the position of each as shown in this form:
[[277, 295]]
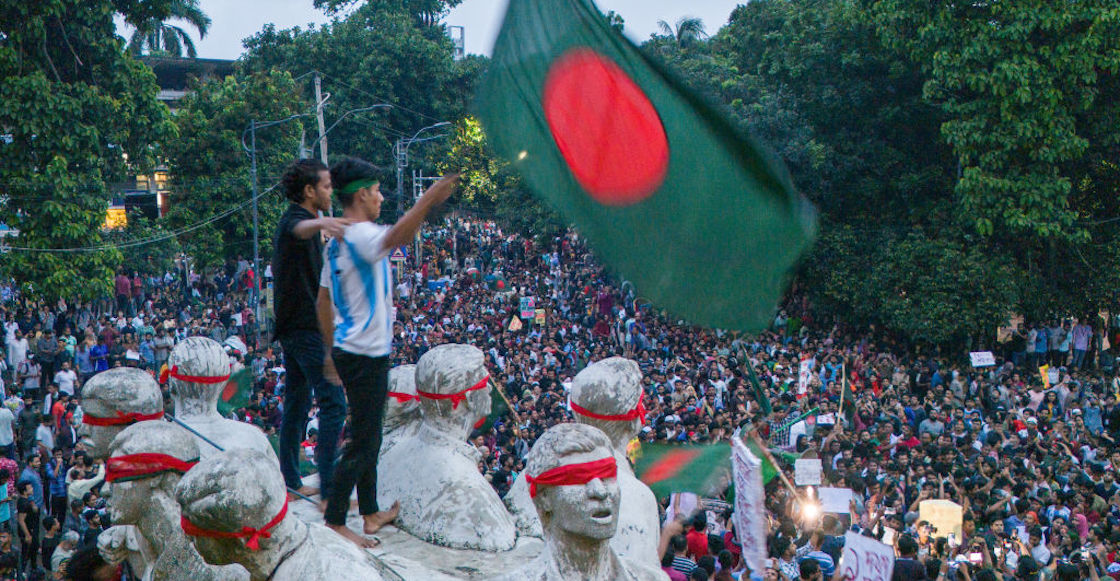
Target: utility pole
[[319, 102], [256, 235]]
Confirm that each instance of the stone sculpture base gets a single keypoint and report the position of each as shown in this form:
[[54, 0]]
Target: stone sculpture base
[[404, 557]]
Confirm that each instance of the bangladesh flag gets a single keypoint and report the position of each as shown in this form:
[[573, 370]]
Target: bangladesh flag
[[668, 468], [759, 393], [498, 409], [668, 192], [237, 392]]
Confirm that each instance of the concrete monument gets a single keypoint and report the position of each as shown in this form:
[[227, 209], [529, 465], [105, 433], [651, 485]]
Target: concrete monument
[[235, 509], [113, 400], [608, 395], [572, 481], [197, 371], [434, 474], [146, 461]]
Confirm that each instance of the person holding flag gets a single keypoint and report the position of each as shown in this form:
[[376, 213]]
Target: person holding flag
[[355, 312]]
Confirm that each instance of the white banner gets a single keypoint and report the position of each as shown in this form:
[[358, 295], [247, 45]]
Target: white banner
[[807, 471], [865, 559], [982, 358], [749, 517]]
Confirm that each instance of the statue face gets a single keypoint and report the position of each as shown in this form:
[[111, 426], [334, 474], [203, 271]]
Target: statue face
[[98, 438], [130, 500], [480, 402], [587, 510]]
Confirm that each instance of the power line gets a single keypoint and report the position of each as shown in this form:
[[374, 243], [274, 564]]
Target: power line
[[381, 99], [146, 241]]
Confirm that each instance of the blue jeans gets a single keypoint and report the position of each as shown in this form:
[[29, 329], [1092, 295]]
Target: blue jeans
[[303, 365]]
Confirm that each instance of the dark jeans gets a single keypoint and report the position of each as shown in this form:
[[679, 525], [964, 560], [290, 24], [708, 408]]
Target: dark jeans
[[303, 364], [366, 380]]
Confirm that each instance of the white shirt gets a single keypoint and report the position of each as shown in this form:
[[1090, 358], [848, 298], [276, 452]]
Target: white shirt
[[356, 272], [44, 436], [66, 378], [17, 351], [6, 420]]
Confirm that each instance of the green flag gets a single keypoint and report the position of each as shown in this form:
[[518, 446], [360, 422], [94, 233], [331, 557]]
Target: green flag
[[670, 195], [668, 468], [759, 393], [237, 392], [498, 409], [769, 471]]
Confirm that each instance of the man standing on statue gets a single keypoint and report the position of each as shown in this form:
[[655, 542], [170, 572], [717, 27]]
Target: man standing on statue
[[296, 264], [356, 317]]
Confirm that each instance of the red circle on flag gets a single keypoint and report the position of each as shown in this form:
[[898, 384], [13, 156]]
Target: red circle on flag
[[606, 128]]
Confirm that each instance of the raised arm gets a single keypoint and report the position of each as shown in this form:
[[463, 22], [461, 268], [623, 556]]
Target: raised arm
[[406, 227]]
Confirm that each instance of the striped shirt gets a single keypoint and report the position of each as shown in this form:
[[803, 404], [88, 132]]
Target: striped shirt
[[356, 272]]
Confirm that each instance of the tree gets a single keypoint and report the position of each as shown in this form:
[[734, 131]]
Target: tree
[[211, 171], [77, 113], [687, 32], [156, 35]]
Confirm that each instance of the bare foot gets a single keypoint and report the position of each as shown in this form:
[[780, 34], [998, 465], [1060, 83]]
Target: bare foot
[[308, 490], [374, 522], [354, 537]]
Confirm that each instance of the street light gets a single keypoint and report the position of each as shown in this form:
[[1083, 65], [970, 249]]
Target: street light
[[401, 153], [251, 151]]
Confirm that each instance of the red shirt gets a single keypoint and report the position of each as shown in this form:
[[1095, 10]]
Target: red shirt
[[697, 544]]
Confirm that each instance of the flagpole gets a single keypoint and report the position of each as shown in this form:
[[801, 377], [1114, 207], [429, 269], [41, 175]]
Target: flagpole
[[221, 449], [777, 468]]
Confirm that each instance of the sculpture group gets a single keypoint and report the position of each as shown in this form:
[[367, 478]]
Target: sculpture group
[[209, 502]]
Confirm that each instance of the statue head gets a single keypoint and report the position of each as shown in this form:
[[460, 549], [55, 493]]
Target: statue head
[[403, 405], [607, 394], [145, 459], [199, 358], [452, 383], [113, 400], [229, 491], [573, 482]]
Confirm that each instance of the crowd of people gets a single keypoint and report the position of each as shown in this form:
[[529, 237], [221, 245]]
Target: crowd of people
[[1030, 456]]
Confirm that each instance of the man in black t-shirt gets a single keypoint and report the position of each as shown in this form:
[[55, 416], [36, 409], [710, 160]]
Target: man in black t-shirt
[[296, 265]]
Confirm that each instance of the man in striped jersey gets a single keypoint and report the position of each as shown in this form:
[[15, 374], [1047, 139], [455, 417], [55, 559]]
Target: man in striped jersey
[[356, 318]]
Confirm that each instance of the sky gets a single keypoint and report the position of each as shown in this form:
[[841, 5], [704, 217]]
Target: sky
[[234, 21]]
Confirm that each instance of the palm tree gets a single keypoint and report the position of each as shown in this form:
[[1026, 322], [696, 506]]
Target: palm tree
[[688, 31], [156, 34]]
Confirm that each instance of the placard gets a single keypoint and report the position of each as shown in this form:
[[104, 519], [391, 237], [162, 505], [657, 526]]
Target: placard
[[982, 358], [807, 471], [945, 516], [528, 307], [865, 559], [835, 500], [538, 317], [804, 374]]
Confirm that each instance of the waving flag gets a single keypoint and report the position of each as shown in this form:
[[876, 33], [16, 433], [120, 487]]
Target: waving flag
[[669, 194]]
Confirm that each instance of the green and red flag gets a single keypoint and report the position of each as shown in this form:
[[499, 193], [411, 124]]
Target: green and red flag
[[667, 191], [237, 392], [668, 468], [499, 408]]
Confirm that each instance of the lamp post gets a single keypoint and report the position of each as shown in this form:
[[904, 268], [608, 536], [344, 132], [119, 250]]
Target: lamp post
[[251, 151], [401, 151]]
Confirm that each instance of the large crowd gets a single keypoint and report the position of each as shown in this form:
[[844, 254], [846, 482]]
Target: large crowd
[[1030, 457]]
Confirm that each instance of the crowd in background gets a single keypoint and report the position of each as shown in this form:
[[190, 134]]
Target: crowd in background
[[1030, 456]]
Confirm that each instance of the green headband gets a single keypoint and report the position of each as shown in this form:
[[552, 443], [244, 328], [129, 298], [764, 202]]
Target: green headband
[[356, 185]]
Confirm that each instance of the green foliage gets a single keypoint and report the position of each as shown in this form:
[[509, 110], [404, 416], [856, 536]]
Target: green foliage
[[152, 257], [72, 104], [156, 35], [211, 170]]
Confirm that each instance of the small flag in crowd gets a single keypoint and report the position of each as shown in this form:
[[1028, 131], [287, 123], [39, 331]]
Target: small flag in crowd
[[669, 468], [237, 392], [759, 393], [498, 409], [665, 189]]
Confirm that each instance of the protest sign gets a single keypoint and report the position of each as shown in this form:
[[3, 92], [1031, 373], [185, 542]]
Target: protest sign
[[807, 471], [538, 317], [835, 500], [945, 516], [865, 559], [982, 358], [750, 512], [804, 375], [528, 307]]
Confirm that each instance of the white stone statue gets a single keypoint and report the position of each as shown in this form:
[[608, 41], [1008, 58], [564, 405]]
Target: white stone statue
[[146, 461], [113, 400], [606, 395], [402, 421], [235, 510], [572, 482], [434, 474], [197, 371]]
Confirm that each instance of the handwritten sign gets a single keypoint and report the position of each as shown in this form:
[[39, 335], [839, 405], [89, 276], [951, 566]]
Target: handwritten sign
[[528, 307], [865, 559], [982, 358], [807, 471], [538, 316], [835, 500], [945, 516], [804, 375]]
